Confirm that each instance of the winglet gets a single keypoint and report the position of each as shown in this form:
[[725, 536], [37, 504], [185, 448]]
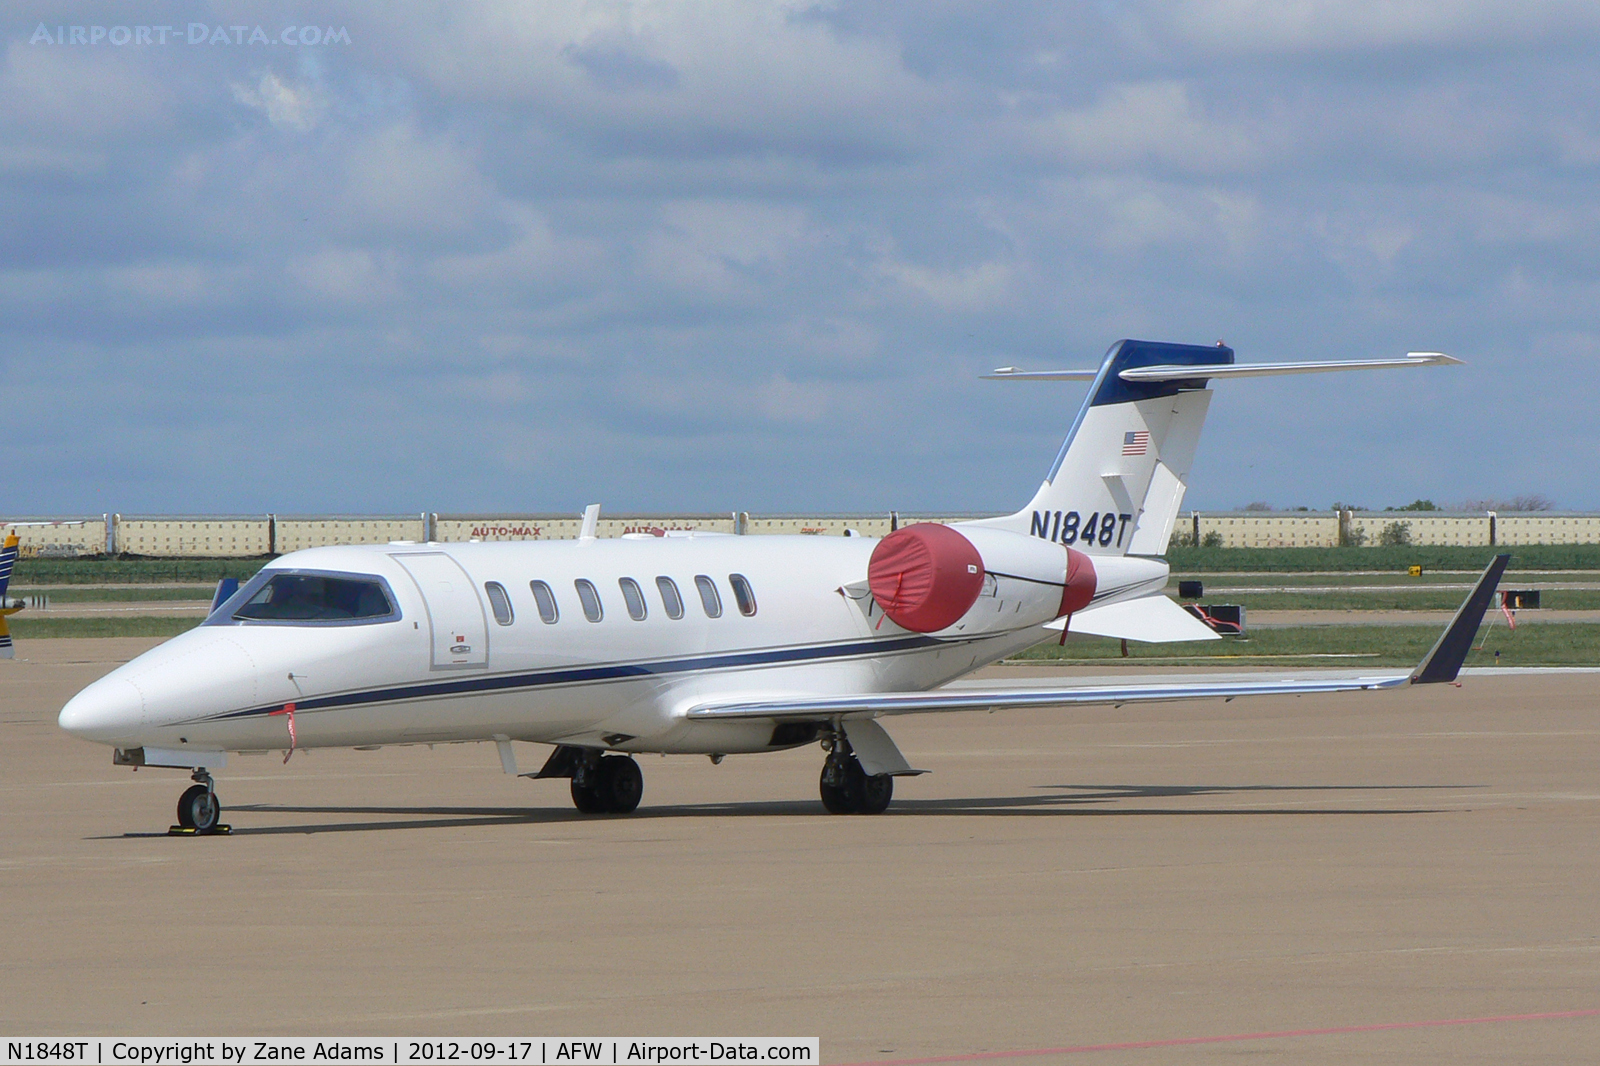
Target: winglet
[[1450, 651]]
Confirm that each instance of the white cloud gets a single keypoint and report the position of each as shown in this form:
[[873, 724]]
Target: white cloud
[[683, 251], [400, 183], [290, 107], [533, 256], [718, 248], [1136, 125], [72, 95], [352, 276], [1302, 26], [971, 288]]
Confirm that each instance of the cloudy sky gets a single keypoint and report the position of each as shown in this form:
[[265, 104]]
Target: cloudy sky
[[714, 256]]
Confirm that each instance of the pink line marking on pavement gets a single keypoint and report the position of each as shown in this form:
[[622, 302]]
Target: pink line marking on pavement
[[1139, 1045]]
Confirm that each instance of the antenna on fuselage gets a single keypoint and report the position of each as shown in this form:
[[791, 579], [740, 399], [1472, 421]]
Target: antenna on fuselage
[[591, 522]]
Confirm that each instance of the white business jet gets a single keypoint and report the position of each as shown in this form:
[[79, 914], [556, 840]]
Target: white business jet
[[711, 643]]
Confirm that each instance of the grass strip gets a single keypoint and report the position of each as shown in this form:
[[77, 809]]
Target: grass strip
[[123, 594], [1577, 644], [131, 571], [1550, 599], [1427, 556], [36, 628]]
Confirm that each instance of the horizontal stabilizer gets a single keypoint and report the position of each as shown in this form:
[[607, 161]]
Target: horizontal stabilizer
[[1151, 619], [1260, 370], [1011, 373], [1236, 370]]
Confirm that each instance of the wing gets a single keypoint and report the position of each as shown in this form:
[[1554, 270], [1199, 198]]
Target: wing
[[1441, 664]]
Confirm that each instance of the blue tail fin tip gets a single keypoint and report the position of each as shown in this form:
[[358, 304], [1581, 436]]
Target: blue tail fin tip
[[1127, 354]]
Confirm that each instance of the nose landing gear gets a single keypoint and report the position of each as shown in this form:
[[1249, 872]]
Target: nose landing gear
[[199, 810]]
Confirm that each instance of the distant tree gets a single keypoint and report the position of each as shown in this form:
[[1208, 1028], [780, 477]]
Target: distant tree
[[1258, 505], [1302, 508], [1416, 505], [1356, 538], [1183, 540], [1533, 502], [1349, 506], [1395, 535], [1211, 540]]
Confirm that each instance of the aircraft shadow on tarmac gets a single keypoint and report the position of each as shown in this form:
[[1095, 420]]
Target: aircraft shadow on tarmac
[[1050, 800]]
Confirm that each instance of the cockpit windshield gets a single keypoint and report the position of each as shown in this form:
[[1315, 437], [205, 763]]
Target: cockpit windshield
[[290, 597]]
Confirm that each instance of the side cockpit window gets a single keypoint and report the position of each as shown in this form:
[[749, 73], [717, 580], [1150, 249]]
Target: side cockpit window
[[318, 598]]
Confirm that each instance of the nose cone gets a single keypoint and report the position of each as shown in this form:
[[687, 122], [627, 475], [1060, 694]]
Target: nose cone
[[110, 711]]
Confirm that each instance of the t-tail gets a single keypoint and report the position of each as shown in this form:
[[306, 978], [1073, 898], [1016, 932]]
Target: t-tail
[[1118, 482], [8, 607]]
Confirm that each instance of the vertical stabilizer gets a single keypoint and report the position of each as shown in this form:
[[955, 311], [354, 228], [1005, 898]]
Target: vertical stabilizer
[[1119, 480], [8, 559]]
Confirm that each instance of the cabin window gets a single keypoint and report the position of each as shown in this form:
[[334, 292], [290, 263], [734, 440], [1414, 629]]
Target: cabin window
[[499, 602], [669, 597], [743, 594], [546, 601], [708, 596], [633, 597], [589, 596], [310, 597]]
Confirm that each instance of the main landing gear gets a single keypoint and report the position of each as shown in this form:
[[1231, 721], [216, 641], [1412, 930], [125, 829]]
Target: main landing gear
[[846, 787], [199, 810], [611, 784]]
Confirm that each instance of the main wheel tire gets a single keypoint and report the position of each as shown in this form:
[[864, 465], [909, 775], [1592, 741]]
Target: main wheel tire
[[876, 792], [840, 785], [621, 784], [587, 799], [199, 809]]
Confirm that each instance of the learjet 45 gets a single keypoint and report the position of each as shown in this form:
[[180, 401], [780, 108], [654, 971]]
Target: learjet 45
[[715, 644]]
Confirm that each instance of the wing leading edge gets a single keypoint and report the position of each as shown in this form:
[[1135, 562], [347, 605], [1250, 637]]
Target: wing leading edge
[[1441, 664]]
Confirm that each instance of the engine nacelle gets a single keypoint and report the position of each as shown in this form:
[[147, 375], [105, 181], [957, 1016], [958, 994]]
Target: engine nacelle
[[927, 577]]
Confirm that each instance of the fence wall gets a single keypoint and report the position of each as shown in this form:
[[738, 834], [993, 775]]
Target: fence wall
[[1256, 529], [57, 536], [170, 536], [1425, 527], [295, 532], [1548, 528]]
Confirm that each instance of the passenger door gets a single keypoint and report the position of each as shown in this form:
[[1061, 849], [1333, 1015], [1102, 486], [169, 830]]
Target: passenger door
[[455, 610]]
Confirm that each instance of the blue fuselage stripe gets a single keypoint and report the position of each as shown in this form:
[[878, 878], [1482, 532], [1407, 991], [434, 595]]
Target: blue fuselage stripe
[[583, 674]]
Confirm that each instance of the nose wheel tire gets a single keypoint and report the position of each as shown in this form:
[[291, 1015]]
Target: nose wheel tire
[[614, 785], [848, 789], [198, 809]]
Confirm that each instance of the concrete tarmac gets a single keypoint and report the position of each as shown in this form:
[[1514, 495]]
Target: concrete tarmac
[[1309, 867]]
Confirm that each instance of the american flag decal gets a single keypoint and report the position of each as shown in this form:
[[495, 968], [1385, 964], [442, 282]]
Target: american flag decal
[[1135, 442]]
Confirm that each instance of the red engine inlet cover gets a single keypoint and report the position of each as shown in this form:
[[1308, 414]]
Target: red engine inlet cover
[[925, 576], [1079, 589]]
